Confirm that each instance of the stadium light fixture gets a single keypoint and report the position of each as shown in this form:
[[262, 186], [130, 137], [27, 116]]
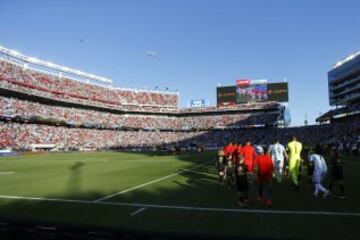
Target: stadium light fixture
[[26, 59]]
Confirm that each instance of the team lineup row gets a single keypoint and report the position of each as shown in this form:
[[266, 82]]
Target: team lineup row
[[238, 164]]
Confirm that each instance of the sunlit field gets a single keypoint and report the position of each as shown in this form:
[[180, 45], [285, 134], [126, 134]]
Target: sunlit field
[[167, 194]]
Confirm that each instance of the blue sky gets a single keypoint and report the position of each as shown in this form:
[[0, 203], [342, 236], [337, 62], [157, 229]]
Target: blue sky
[[199, 43]]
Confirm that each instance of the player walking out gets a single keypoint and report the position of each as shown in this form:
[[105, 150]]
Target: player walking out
[[249, 154], [320, 170], [294, 148], [278, 154], [229, 168], [241, 181], [228, 150], [265, 167], [236, 152], [220, 164]]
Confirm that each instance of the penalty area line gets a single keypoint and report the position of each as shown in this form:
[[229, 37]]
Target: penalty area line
[[148, 183], [185, 208]]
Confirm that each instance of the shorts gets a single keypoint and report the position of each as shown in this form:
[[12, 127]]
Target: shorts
[[242, 184], [265, 177], [221, 167]]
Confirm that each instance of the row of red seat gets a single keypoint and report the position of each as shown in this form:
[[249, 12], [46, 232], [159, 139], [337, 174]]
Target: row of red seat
[[65, 88], [28, 109]]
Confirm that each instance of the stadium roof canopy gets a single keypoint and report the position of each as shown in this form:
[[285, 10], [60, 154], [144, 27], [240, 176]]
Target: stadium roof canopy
[[26, 59], [339, 113], [345, 60]]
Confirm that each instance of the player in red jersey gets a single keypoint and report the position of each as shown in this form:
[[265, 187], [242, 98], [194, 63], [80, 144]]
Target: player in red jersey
[[241, 181], [265, 170], [228, 177], [249, 155], [236, 152], [228, 150]]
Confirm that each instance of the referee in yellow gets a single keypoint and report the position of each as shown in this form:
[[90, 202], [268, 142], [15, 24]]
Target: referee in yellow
[[294, 147]]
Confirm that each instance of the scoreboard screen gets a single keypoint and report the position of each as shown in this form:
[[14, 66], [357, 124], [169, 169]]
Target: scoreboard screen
[[247, 91]]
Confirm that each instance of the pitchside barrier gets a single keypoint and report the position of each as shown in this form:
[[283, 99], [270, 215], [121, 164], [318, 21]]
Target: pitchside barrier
[[40, 147], [8, 153]]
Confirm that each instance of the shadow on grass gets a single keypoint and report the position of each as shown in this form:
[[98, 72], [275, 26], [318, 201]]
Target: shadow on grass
[[74, 182]]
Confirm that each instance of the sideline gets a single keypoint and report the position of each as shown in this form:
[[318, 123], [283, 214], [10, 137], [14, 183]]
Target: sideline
[[187, 208]]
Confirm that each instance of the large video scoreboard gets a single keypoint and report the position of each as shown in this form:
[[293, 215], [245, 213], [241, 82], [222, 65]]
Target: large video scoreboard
[[247, 90]]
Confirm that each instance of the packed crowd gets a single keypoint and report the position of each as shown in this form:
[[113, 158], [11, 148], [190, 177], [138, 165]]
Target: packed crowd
[[342, 133], [75, 116], [210, 127], [231, 121], [21, 136], [242, 106], [18, 78]]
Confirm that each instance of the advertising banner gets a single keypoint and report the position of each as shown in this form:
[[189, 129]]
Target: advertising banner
[[226, 96], [278, 92], [197, 103]]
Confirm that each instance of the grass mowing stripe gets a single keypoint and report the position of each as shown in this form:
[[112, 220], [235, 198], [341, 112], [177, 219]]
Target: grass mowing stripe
[[148, 183], [7, 173], [187, 208]]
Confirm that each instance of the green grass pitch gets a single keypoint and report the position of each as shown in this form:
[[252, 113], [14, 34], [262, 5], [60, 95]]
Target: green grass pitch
[[177, 194]]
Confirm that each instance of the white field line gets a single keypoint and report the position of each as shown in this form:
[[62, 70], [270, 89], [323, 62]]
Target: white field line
[[138, 211], [7, 173], [186, 208], [148, 183]]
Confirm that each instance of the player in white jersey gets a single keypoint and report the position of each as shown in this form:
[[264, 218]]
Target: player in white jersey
[[279, 155], [320, 170], [259, 149]]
